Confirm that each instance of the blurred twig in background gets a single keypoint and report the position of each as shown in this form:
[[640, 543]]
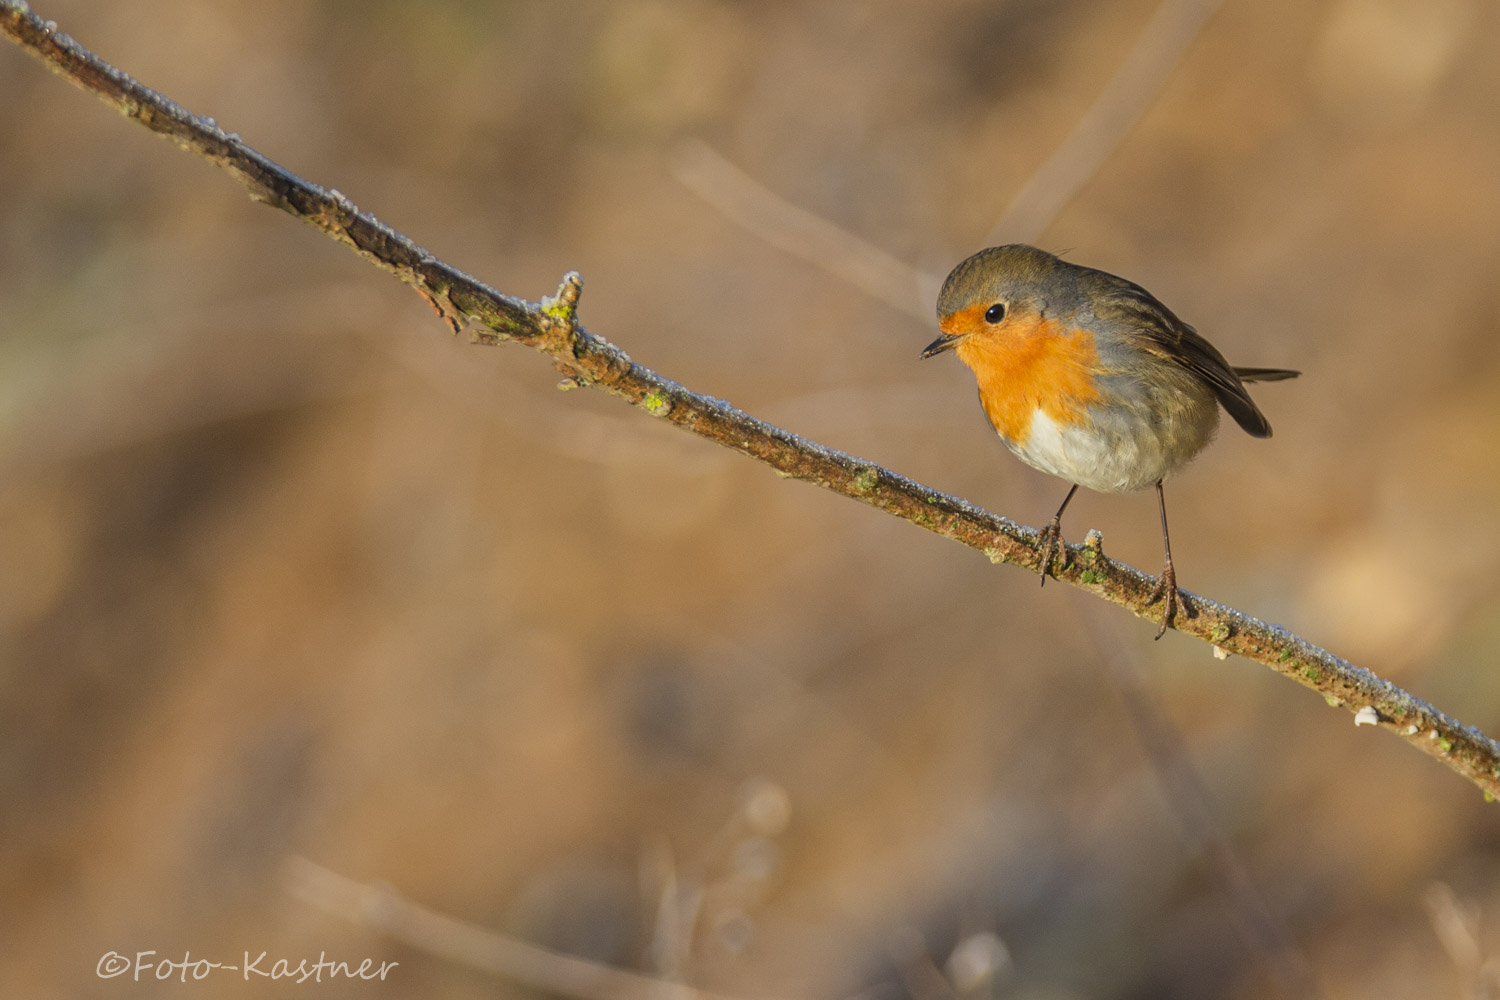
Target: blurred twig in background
[[1456, 923], [762, 812], [1120, 105], [1263, 930], [384, 910], [801, 233]]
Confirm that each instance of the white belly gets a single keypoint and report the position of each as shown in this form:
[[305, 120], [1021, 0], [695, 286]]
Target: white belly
[[1105, 455]]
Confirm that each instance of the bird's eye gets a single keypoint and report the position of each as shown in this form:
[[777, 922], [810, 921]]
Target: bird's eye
[[995, 313]]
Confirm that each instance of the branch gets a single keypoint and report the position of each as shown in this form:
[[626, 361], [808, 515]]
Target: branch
[[551, 326]]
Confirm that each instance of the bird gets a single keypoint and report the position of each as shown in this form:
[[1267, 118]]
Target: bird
[[1089, 377]]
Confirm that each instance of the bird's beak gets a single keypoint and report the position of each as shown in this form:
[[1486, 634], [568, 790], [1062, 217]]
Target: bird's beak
[[945, 342]]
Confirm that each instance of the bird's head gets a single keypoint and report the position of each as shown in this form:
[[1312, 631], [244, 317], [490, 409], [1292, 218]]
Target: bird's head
[[1013, 283]]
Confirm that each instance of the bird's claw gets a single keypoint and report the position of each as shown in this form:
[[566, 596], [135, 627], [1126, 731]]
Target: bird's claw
[[1176, 600]]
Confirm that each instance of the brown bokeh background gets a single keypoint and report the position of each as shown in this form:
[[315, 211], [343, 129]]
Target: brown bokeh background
[[285, 571]]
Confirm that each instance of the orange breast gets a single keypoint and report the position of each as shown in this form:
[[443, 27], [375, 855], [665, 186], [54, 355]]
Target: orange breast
[[1027, 364]]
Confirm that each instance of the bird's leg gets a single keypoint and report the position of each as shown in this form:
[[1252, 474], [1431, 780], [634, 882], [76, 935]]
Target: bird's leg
[[1052, 537], [1166, 587]]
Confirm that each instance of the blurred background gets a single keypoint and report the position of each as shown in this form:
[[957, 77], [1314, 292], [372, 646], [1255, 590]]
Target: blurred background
[[288, 572]]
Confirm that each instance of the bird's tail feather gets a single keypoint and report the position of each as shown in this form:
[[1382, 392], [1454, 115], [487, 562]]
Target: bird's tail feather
[[1265, 374]]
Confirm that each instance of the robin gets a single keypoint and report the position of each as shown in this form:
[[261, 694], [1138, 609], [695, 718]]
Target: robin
[[1088, 377]]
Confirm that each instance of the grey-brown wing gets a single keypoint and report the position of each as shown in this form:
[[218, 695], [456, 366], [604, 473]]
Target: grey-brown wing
[[1160, 331]]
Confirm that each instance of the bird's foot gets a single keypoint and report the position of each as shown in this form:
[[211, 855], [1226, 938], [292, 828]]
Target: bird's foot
[[1052, 544], [1176, 600]]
